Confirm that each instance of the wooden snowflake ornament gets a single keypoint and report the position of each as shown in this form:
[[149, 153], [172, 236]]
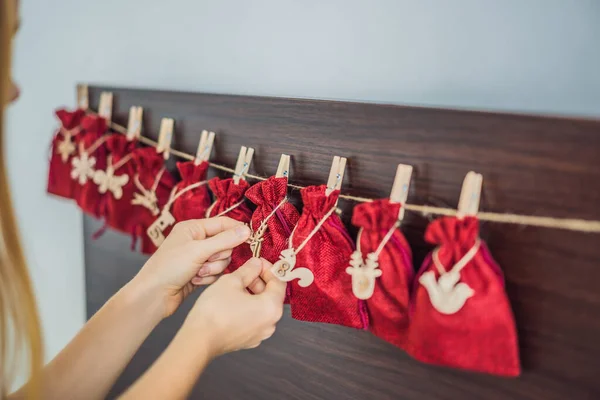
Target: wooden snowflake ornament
[[83, 168], [65, 148], [108, 181]]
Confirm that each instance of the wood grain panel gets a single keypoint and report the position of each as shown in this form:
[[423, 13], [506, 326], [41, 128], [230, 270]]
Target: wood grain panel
[[531, 165]]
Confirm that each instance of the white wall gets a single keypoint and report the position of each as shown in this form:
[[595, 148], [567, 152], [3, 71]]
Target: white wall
[[523, 55]]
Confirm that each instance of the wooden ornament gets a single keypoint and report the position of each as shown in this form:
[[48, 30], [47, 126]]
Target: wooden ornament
[[65, 148], [155, 231], [447, 294], [363, 274], [83, 167], [284, 269], [108, 181], [148, 200]]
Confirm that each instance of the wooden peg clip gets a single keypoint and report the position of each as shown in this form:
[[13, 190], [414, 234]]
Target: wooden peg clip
[[204, 147], [283, 170], [468, 205], [105, 106], [336, 175], [165, 136], [243, 164], [83, 101], [400, 187], [134, 126]]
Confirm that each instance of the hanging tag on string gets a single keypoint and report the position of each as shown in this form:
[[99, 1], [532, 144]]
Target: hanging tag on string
[[447, 293], [155, 231]]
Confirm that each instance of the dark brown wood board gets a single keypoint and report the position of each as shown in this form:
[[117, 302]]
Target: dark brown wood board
[[536, 165]]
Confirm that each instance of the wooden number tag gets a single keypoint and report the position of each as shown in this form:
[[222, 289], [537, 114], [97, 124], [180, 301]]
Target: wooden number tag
[[155, 231], [284, 269]]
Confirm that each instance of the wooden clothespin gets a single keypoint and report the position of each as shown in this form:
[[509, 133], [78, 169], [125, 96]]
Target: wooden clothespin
[[165, 136], [204, 147], [283, 170], [336, 175], [400, 187], [83, 101], [105, 106], [468, 205], [243, 163], [134, 126]]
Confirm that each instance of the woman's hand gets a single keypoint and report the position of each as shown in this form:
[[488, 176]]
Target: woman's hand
[[194, 253], [226, 317]]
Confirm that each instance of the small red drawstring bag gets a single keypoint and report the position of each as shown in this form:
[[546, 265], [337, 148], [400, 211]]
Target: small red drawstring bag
[[273, 220], [229, 202], [64, 147], [153, 184], [115, 183], [329, 298], [462, 317], [191, 204], [385, 259], [91, 156]]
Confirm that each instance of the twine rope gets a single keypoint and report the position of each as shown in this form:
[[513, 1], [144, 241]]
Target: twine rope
[[572, 224]]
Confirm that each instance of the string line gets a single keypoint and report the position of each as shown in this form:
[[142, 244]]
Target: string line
[[572, 224]]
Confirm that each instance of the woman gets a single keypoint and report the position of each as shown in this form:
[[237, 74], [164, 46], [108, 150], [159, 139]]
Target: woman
[[225, 318]]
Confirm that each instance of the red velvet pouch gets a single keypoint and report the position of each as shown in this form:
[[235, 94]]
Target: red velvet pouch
[[388, 306], [268, 196], [193, 203], [229, 201], [329, 298], [152, 186], [117, 183], [64, 147], [462, 321], [91, 143]]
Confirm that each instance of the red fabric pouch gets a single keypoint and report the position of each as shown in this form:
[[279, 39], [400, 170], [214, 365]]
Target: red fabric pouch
[[329, 298], [116, 183], [268, 196], [193, 203], [92, 144], [229, 201], [388, 306], [152, 186], [462, 320], [64, 147]]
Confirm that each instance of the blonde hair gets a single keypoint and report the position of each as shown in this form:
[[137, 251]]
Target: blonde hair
[[20, 334]]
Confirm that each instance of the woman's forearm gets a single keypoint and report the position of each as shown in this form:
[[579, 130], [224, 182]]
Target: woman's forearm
[[175, 372], [90, 364]]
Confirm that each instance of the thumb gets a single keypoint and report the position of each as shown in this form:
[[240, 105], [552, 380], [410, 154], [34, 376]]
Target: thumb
[[274, 287], [248, 272], [225, 240]]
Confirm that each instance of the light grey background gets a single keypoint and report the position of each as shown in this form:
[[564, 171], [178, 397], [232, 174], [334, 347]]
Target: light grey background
[[537, 56]]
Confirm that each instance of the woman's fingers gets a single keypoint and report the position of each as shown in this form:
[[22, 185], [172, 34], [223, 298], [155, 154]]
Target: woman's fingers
[[202, 250], [257, 286], [213, 267], [206, 280]]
